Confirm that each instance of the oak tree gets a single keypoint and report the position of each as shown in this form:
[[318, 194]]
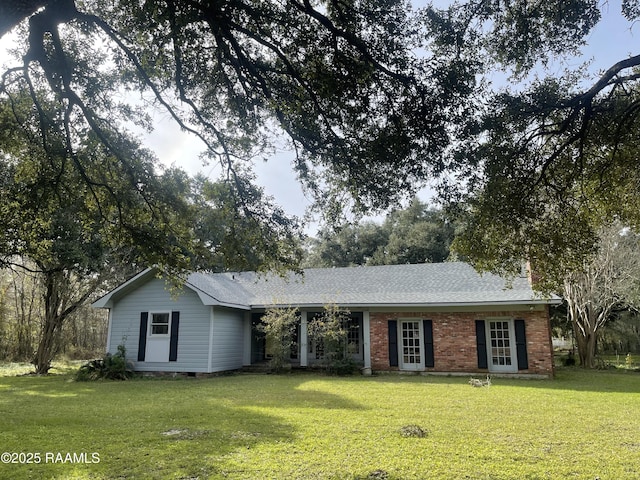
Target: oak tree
[[79, 219], [551, 158], [343, 81], [374, 97], [415, 234]]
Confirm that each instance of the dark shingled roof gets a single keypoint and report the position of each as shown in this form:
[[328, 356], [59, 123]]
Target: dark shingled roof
[[451, 283]]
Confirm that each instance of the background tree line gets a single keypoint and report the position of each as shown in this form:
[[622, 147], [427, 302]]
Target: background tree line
[[83, 335], [415, 234]]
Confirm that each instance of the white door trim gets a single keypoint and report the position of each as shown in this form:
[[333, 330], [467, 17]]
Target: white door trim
[[501, 345], [411, 344]]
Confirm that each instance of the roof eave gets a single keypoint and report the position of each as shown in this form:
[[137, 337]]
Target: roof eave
[[416, 304]]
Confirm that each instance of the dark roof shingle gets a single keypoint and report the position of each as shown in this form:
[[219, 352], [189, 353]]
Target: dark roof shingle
[[451, 283]]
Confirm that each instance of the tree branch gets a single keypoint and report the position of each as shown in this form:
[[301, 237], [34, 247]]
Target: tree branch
[[12, 12]]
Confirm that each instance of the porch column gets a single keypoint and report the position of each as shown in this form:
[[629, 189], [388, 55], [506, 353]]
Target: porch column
[[304, 348], [109, 331], [366, 339], [246, 343]]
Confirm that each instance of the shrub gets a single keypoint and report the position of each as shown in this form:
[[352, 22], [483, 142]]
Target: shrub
[[331, 329], [570, 360], [279, 326], [110, 367]]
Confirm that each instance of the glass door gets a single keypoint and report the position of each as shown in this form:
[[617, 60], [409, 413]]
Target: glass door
[[501, 346], [411, 345]]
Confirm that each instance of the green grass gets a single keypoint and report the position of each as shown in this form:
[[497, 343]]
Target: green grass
[[582, 425]]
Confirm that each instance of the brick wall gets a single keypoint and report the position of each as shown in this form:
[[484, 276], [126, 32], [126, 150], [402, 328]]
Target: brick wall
[[454, 339]]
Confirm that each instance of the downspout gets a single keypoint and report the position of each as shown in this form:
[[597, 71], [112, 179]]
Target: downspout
[[246, 347], [109, 322]]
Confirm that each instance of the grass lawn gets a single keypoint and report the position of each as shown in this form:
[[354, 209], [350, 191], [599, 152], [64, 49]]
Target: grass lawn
[[582, 425]]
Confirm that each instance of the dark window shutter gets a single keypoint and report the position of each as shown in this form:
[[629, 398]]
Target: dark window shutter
[[393, 343], [427, 326], [521, 345], [481, 342], [173, 342], [142, 340]]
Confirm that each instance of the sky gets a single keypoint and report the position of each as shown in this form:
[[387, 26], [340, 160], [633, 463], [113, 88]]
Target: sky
[[612, 40]]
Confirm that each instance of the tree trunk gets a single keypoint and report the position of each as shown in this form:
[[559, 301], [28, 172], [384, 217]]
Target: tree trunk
[[586, 343], [587, 316], [47, 346], [12, 12], [51, 322], [58, 305]]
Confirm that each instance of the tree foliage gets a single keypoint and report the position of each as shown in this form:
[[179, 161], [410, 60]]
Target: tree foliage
[[372, 95], [341, 80], [552, 159], [73, 218], [75, 214], [416, 234], [239, 228], [329, 330]]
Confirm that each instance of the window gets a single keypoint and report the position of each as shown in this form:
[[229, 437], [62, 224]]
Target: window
[[353, 336], [160, 323], [500, 343], [411, 344]]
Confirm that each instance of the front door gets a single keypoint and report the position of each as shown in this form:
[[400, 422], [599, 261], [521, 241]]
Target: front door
[[501, 346], [157, 349], [411, 356]]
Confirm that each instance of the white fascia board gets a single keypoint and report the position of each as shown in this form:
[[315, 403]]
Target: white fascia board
[[557, 301], [105, 301]]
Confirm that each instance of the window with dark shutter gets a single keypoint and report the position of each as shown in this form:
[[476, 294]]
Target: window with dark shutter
[[481, 342], [142, 340], [521, 344], [159, 324], [393, 343], [429, 360]]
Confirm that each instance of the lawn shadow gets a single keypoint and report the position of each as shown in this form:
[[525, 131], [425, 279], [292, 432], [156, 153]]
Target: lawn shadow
[[137, 429]]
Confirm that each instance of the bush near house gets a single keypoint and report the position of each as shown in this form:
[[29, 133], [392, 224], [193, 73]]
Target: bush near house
[[279, 326], [110, 367]]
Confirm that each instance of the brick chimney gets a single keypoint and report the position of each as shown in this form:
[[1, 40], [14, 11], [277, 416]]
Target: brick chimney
[[531, 274]]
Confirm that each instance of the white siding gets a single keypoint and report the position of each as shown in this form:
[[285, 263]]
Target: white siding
[[227, 339], [193, 334]]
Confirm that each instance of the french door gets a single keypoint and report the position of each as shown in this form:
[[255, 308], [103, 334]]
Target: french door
[[412, 348], [501, 346]]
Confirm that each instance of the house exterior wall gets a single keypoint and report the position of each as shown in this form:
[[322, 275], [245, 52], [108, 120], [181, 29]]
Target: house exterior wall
[[214, 339], [454, 338], [228, 339], [194, 327]]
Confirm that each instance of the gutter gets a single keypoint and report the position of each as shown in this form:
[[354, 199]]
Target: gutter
[[552, 301]]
